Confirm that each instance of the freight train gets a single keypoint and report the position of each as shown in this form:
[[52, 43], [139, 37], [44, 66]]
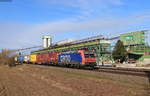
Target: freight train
[[80, 58]]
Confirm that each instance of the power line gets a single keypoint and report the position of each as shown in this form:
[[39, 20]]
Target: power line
[[27, 48]]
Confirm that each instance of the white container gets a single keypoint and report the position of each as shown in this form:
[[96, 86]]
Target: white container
[[26, 58], [15, 59]]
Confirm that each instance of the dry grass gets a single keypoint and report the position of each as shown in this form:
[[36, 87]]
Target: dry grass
[[32, 80]]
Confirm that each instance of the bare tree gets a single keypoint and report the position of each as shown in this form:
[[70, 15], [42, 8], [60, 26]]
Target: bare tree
[[7, 57]]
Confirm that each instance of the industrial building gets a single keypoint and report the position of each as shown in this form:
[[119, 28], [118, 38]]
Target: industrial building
[[134, 42], [136, 45]]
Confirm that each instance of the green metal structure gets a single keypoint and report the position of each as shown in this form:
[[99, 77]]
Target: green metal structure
[[135, 43], [133, 38]]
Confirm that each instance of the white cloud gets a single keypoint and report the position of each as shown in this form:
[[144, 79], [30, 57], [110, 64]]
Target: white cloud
[[93, 24], [86, 8], [15, 35], [26, 35]]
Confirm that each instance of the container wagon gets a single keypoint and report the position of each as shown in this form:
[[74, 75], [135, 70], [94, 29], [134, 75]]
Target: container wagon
[[53, 58], [16, 59], [43, 58], [27, 59], [20, 59], [33, 58], [47, 58]]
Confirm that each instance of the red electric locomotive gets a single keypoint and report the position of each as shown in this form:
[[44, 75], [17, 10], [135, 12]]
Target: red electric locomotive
[[88, 57], [81, 58]]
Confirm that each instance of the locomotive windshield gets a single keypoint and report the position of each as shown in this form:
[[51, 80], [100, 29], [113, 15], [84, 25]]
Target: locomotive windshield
[[89, 55]]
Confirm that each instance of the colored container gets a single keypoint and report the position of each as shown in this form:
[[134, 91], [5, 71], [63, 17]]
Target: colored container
[[53, 57], [16, 59], [20, 59], [26, 59], [43, 58], [70, 58], [33, 58], [39, 59]]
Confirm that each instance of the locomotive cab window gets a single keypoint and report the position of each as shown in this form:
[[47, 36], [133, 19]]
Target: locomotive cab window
[[89, 55]]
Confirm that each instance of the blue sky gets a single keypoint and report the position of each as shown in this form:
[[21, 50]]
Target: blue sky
[[23, 22]]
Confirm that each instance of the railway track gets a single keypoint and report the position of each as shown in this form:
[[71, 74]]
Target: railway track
[[122, 71], [127, 71]]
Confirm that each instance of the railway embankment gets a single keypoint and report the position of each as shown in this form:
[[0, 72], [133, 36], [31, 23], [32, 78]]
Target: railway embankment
[[34, 80]]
